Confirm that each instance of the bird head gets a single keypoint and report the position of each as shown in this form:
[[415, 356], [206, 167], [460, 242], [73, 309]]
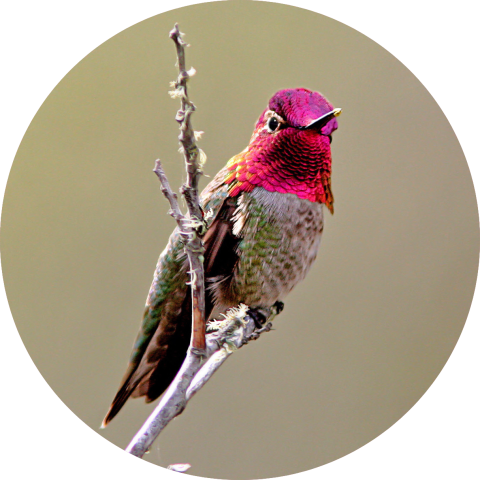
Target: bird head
[[289, 151]]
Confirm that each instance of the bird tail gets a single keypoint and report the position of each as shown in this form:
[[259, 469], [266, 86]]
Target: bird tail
[[121, 397]]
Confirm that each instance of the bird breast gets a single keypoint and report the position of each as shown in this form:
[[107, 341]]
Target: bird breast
[[280, 235]]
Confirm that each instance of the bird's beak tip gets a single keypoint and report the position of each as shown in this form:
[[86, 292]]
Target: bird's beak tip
[[323, 120]]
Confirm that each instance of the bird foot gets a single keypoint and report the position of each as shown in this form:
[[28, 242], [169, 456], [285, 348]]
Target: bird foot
[[256, 333], [259, 316]]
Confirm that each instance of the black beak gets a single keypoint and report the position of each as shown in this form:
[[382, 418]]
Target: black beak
[[323, 120]]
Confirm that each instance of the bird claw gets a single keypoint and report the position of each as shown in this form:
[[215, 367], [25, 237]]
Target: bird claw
[[256, 333], [259, 317]]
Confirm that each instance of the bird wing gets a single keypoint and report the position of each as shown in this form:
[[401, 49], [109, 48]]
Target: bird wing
[[164, 336]]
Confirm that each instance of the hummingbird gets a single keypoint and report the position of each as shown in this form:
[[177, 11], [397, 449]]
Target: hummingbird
[[265, 222]]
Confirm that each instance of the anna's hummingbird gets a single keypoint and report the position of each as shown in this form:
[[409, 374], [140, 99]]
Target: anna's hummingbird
[[266, 220]]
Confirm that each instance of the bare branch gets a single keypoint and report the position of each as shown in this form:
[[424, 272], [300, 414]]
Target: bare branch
[[236, 330], [187, 135], [192, 227], [175, 211], [179, 467], [206, 352]]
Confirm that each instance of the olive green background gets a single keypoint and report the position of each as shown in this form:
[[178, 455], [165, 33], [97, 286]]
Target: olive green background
[[360, 340]]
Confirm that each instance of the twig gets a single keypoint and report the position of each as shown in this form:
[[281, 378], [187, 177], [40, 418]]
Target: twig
[[228, 335], [192, 227], [236, 330], [191, 152]]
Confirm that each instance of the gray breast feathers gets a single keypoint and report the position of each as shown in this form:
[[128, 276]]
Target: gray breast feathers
[[280, 235]]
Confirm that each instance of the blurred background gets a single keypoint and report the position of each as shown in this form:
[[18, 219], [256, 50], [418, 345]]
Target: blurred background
[[359, 341]]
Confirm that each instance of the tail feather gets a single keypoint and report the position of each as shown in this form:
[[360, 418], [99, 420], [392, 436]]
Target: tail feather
[[156, 364], [119, 401], [160, 363]]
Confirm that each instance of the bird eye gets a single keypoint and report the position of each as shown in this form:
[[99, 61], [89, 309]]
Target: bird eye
[[272, 124]]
